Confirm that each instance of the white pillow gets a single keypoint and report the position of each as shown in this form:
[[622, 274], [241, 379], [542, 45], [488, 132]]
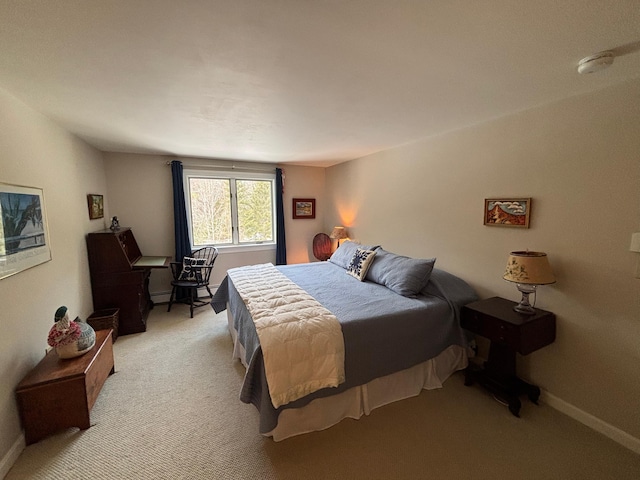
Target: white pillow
[[191, 269], [360, 263]]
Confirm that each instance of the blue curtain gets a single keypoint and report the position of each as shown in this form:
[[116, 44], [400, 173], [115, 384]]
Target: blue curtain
[[181, 230], [281, 244]]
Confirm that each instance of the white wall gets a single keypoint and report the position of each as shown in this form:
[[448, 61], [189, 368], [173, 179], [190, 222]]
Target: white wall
[[35, 152], [141, 196], [579, 160], [303, 182]]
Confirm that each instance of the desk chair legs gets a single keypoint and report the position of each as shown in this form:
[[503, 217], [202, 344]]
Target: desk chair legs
[[193, 299], [173, 294]]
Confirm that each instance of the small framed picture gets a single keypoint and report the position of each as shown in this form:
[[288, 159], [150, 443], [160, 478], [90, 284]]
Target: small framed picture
[[304, 208], [96, 206], [507, 212]]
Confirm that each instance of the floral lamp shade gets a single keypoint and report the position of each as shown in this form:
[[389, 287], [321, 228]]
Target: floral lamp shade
[[339, 233], [528, 270]]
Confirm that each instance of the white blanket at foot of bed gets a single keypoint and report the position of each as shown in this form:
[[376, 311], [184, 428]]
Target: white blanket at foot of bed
[[302, 342]]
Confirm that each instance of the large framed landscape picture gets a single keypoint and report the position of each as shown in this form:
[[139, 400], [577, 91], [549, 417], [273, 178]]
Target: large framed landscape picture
[[24, 238]]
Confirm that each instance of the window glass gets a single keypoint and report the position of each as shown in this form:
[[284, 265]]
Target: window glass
[[255, 207], [210, 201], [230, 208]]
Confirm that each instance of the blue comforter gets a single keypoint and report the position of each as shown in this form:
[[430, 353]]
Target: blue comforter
[[383, 332]]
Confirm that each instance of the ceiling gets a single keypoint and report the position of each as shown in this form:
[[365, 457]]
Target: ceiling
[[312, 82]]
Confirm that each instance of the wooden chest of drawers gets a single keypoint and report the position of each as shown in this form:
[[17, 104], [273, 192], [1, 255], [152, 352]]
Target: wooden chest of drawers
[[59, 393]]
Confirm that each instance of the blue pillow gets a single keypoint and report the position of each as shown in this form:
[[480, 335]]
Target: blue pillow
[[344, 253], [403, 275]]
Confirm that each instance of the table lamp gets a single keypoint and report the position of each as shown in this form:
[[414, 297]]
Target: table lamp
[[528, 270], [339, 233]]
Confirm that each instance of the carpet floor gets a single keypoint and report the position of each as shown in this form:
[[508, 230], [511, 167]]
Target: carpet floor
[[171, 411]]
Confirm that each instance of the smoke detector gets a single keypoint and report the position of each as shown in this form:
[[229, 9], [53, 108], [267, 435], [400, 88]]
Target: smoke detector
[[594, 63]]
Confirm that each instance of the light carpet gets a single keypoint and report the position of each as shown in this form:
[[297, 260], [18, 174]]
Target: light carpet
[[171, 411]]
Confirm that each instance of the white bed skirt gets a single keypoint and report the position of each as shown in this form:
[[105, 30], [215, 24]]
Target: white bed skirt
[[323, 413]]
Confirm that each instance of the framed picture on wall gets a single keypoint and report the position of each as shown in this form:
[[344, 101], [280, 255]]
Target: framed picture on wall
[[507, 212], [304, 208], [24, 235], [96, 206]]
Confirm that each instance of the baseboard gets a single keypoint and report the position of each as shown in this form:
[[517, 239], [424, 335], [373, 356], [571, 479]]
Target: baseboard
[[12, 455], [608, 430], [160, 297]]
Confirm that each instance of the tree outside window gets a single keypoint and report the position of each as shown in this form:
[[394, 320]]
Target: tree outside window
[[230, 211]]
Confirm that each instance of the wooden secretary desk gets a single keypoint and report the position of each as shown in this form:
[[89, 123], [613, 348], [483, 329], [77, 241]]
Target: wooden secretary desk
[[120, 277]]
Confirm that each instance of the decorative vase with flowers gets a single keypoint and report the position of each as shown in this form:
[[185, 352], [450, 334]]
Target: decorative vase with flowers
[[70, 338]]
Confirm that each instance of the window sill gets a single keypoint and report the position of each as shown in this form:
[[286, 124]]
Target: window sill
[[243, 248]]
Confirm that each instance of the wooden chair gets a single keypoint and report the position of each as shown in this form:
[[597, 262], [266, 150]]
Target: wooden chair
[[190, 275]]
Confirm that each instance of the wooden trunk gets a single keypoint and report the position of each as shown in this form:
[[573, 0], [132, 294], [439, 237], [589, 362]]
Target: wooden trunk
[[59, 393]]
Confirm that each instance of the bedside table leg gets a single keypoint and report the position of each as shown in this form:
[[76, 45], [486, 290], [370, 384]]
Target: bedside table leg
[[514, 406], [534, 397], [468, 376], [519, 386]]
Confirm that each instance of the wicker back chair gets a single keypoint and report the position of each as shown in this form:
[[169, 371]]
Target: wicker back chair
[[322, 246]]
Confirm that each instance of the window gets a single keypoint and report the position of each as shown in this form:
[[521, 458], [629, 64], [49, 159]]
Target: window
[[230, 209]]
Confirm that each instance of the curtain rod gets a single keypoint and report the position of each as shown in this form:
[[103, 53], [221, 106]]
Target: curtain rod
[[229, 167]]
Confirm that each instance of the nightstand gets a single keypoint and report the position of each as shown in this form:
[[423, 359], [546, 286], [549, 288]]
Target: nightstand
[[509, 332]]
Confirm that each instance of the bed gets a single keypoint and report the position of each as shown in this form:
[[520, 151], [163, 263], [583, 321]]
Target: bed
[[401, 333]]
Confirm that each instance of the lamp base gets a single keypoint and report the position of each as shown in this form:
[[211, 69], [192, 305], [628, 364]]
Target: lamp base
[[525, 309], [524, 306]]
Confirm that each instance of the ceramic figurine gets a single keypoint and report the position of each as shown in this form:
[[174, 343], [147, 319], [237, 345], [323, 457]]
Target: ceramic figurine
[[70, 338]]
